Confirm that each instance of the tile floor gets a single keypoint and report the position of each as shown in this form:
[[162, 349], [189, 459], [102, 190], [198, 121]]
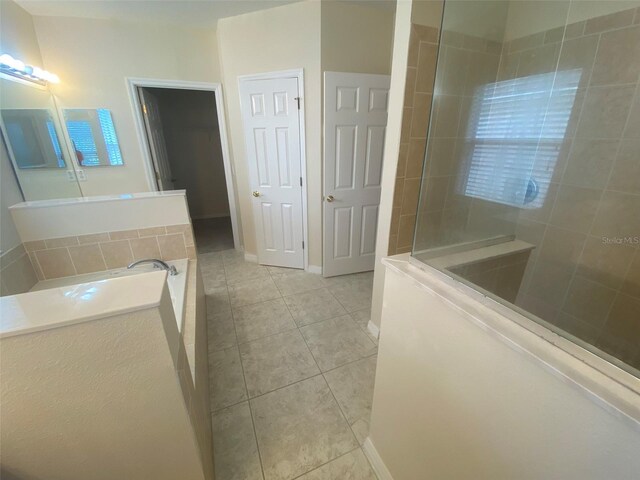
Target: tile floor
[[213, 234], [292, 369]]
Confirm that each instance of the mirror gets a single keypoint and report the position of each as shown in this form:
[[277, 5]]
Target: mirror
[[93, 137], [34, 143], [33, 138]]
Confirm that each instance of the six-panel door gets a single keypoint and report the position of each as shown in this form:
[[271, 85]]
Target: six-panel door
[[355, 125], [272, 134]]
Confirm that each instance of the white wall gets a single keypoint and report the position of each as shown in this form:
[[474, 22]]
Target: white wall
[[64, 218], [280, 38], [427, 13], [391, 149], [356, 38], [454, 399], [17, 38], [93, 57]]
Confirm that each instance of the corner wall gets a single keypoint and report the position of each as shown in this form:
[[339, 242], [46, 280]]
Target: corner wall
[[281, 38]]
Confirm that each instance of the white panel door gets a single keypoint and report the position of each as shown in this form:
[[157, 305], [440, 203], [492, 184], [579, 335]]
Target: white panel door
[[272, 136], [155, 139], [355, 120]]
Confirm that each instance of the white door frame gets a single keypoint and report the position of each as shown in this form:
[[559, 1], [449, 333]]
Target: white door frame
[[297, 73], [132, 85]]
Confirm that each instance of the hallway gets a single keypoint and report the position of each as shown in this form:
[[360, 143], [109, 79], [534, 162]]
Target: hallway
[[292, 369], [213, 234]]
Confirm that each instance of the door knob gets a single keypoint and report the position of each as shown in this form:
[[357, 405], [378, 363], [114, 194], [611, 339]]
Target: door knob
[[329, 198], [256, 194]]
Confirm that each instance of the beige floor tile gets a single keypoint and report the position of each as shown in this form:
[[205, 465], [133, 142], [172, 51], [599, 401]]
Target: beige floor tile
[[221, 331], [234, 444], [276, 361], [313, 306], [362, 318], [353, 296], [226, 380], [210, 259], [336, 342], [342, 280], [262, 319], [231, 256], [253, 291], [299, 428], [238, 272], [352, 466], [282, 270], [213, 277], [218, 300], [301, 281], [352, 385]]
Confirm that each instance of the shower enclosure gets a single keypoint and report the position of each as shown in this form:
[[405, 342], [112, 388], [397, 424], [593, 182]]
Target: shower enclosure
[[530, 188]]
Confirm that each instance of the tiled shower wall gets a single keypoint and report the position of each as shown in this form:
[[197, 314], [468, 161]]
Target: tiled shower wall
[[76, 255], [423, 51], [445, 216], [584, 275]]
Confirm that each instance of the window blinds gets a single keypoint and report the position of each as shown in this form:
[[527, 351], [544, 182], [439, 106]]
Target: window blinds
[[515, 132]]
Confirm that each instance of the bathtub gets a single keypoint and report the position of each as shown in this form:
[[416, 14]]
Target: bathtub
[[177, 283]]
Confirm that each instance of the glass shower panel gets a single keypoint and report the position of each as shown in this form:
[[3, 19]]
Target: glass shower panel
[[531, 182]]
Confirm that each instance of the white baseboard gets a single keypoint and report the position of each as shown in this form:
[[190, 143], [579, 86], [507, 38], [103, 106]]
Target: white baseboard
[[376, 462], [373, 330], [250, 257], [314, 269]]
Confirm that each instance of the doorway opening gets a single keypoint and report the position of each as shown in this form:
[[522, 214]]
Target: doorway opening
[[184, 132]]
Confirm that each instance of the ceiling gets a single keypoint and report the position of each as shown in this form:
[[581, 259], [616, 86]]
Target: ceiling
[[198, 13]]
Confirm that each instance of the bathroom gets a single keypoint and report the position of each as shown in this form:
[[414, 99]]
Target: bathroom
[[453, 265]]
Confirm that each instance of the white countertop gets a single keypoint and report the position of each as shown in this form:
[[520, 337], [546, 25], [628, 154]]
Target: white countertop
[[57, 307]]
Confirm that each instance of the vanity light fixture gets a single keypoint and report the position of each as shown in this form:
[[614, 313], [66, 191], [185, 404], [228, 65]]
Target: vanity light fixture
[[17, 68]]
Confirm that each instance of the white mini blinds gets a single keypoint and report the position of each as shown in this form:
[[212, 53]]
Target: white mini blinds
[[513, 139]]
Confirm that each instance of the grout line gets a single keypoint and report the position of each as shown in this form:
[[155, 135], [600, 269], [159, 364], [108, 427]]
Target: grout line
[[244, 379], [326, 463]]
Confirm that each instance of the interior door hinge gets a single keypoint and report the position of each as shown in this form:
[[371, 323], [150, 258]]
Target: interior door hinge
[[297, 99], [300, 181], [303, 244]]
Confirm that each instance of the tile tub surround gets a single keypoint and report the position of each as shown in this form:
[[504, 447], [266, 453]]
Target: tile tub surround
[[74, 355], [17, 275], [75, 255], [292, 369]]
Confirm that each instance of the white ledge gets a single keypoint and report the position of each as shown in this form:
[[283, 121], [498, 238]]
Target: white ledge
[[613, 388], [95, 199], [57, 307]]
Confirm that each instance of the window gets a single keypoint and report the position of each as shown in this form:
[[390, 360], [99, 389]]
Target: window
[[94, 138], [515, 132]]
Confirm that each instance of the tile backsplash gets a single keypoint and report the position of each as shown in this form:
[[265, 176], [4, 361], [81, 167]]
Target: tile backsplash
[[76, 255]]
